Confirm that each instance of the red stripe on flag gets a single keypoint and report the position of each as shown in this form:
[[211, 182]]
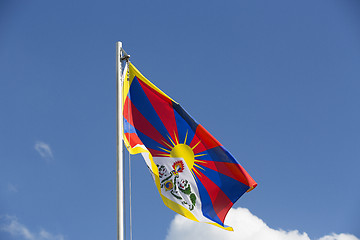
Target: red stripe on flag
[[197, 145], [134, 139], [163, 108], [207, 141], [206, 138], [127, 111]]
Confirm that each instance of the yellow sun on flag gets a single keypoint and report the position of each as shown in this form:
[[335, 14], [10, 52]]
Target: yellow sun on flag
[[184, 151]]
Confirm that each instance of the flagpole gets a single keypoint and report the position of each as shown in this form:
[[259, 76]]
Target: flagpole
[[119, 148]]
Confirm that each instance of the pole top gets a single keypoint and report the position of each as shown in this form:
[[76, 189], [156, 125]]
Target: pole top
[[125, 57], [123, 54]]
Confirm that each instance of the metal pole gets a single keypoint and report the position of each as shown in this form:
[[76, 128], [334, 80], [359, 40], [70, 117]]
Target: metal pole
[[120, 149]]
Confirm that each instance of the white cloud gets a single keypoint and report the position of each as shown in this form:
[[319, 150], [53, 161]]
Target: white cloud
[[246, 227], [12, 188], [11, 225], [341, 236], [44, 150]]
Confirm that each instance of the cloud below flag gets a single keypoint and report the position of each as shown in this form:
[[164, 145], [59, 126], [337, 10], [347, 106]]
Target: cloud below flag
[[246, 227]]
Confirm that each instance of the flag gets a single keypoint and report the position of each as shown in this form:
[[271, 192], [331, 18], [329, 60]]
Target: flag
[[194, 174]]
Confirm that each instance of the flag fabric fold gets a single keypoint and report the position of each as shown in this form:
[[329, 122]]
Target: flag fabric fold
[[194, 174]]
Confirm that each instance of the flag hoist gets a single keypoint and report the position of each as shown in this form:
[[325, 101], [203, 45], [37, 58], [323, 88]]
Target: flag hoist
[[193, 172]]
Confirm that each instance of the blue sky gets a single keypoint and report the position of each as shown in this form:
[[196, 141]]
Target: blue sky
[[276, 82]]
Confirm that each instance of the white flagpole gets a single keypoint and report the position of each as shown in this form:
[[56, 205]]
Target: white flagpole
[[120, 150]]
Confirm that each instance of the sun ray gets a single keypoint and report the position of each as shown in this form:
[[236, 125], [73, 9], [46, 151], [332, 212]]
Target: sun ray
[[196, 172], [165, 155], [168, 144], [193, 174], [176, 140], [199, 161], [196, 145], [199, 155], [186, 136], [166, 150], [198, 166], [172, 142]]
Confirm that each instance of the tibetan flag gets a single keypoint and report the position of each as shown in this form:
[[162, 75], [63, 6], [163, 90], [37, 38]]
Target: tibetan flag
[[194, 174]]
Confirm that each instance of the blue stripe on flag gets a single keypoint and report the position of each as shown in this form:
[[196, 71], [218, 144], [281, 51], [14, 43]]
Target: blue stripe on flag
[[192, 123], [183, 128], [217, 154], [128, 128]]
